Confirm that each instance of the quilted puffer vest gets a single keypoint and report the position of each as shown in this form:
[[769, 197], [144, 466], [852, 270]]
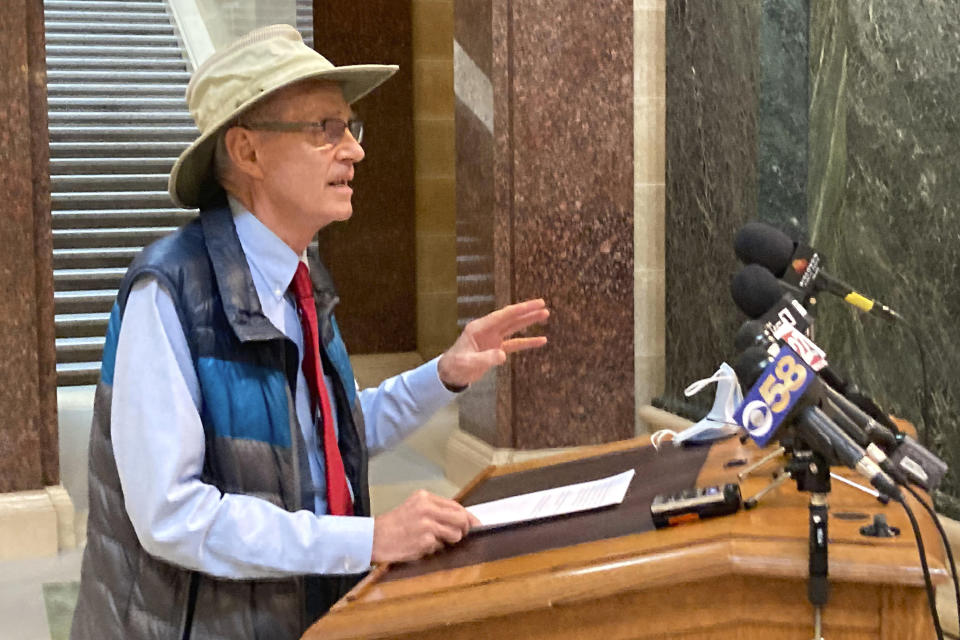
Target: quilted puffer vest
[[247, 372]]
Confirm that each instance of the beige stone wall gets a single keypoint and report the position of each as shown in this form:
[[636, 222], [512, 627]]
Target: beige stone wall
[[649, 80], [433, 104]]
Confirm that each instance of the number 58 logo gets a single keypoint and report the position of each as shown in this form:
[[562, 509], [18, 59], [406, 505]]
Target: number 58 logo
[[788, 376], [771, 398]]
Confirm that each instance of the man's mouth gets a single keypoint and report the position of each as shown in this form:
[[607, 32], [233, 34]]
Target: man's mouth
[[340, 183]]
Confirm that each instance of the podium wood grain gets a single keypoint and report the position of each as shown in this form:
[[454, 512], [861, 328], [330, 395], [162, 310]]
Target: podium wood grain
[[737, 577]]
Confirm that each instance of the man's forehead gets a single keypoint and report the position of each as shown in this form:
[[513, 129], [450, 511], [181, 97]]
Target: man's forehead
[[311, 95]]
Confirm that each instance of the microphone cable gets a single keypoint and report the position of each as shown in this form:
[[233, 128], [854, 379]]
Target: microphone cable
[[927, 582], [924, 399], [946, 543]]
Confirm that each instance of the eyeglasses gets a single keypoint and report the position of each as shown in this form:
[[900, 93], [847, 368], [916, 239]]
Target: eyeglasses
[[326, 131]]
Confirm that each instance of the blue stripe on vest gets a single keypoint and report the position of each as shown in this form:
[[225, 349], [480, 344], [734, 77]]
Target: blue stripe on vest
[[337, 352], [109, 362], [243, 400]]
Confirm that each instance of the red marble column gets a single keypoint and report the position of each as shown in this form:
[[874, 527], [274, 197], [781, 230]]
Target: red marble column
[[545, 208], [29, 457], [372, 256]]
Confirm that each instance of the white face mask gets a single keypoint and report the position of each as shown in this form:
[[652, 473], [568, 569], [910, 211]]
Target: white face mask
[[717, 424]]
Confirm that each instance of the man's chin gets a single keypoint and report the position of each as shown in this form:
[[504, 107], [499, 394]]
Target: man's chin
[[338, 214]]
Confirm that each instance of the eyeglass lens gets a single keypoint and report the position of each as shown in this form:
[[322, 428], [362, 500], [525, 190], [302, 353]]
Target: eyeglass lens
[[334, 128]]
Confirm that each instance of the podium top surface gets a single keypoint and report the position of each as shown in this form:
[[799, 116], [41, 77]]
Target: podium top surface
[[670, 470], [616, 549]]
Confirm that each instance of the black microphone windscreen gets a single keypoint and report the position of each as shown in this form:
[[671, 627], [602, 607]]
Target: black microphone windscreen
[[755, 290], [750, 365], [759, 243], [750, 334]]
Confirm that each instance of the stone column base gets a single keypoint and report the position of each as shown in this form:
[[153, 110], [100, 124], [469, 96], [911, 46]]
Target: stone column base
[[36, 523], [468, 455]]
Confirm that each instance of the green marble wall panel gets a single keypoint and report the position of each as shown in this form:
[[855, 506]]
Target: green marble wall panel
[[782, 121], [875, 157], [884, 200], [711, 184]]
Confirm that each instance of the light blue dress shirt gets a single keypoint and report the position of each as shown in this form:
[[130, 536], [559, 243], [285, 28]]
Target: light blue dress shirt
[[159, 445]]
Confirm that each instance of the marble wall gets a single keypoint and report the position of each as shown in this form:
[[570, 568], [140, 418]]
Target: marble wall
[[373, 255], [878, 165], [28, 413], [545, 112], [885, 203], [712, 78], [783, 125]]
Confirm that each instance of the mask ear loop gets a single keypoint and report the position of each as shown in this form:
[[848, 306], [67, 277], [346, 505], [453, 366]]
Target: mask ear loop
[[656, 439], [696, 387]]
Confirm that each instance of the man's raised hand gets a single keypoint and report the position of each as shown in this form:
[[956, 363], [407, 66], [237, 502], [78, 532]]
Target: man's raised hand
[[485, 342]]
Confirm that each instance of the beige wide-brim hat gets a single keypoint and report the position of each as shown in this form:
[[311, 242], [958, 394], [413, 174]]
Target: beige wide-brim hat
[[239, 76]]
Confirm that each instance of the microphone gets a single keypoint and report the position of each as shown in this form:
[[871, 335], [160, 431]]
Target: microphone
[[750, 334], [908, 460], [813, 425], [788, 391], [915, 462], [799, 265], [762, 297], [751, 364], [756, 291]]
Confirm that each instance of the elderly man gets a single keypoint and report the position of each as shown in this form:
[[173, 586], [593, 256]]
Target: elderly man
[[228, 457]]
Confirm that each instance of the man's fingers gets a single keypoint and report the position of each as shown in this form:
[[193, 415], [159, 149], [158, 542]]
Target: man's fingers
[[524, 321], [448, 513], [507, 314], [522, 344], [448, 534], [482, 360]]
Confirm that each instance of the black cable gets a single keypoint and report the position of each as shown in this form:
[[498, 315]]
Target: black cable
[[928, 583], [924, 387], [946, 543]]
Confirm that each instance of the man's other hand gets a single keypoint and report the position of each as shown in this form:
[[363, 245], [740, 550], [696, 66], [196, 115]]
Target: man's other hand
[[420, 526], [485, 342]]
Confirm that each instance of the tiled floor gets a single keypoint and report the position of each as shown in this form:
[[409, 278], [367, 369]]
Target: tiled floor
[[417, 463]]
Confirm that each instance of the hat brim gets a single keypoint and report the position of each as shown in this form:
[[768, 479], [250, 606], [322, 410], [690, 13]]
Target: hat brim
[[191, 178]]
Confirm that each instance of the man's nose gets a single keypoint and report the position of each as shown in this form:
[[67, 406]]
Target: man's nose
[[350, 149]]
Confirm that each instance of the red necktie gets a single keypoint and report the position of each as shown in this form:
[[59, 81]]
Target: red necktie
[[338, 497]]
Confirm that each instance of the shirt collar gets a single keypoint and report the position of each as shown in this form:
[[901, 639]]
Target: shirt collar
[[271, 260]]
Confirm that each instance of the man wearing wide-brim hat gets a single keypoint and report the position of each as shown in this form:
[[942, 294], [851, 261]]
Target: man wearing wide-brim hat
[[228, 456]]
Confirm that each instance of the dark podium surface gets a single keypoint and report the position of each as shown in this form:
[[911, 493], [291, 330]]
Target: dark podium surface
[[609, 574], [668, 471]]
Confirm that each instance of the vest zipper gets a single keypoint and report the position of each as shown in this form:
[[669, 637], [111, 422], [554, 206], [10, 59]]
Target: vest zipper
[[191, 605]]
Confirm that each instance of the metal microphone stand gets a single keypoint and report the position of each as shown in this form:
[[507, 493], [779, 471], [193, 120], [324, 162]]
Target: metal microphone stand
[[811, 471]]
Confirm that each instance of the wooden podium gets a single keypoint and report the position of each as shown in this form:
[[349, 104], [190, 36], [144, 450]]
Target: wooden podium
[[609, 575]]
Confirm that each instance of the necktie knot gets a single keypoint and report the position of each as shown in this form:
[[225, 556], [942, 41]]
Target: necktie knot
[[301, 286]]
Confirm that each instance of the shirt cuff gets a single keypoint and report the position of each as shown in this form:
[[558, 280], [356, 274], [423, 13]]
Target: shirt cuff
[[427, 378], [355, 538]]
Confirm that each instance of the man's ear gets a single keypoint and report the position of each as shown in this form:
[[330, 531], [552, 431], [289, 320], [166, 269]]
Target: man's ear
[[242, 146]]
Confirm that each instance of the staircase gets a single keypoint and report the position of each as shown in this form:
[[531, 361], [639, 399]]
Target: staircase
[[118, 120], [305, 21]]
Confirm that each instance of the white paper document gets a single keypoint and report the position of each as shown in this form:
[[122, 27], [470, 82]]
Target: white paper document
[[552, 502]]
